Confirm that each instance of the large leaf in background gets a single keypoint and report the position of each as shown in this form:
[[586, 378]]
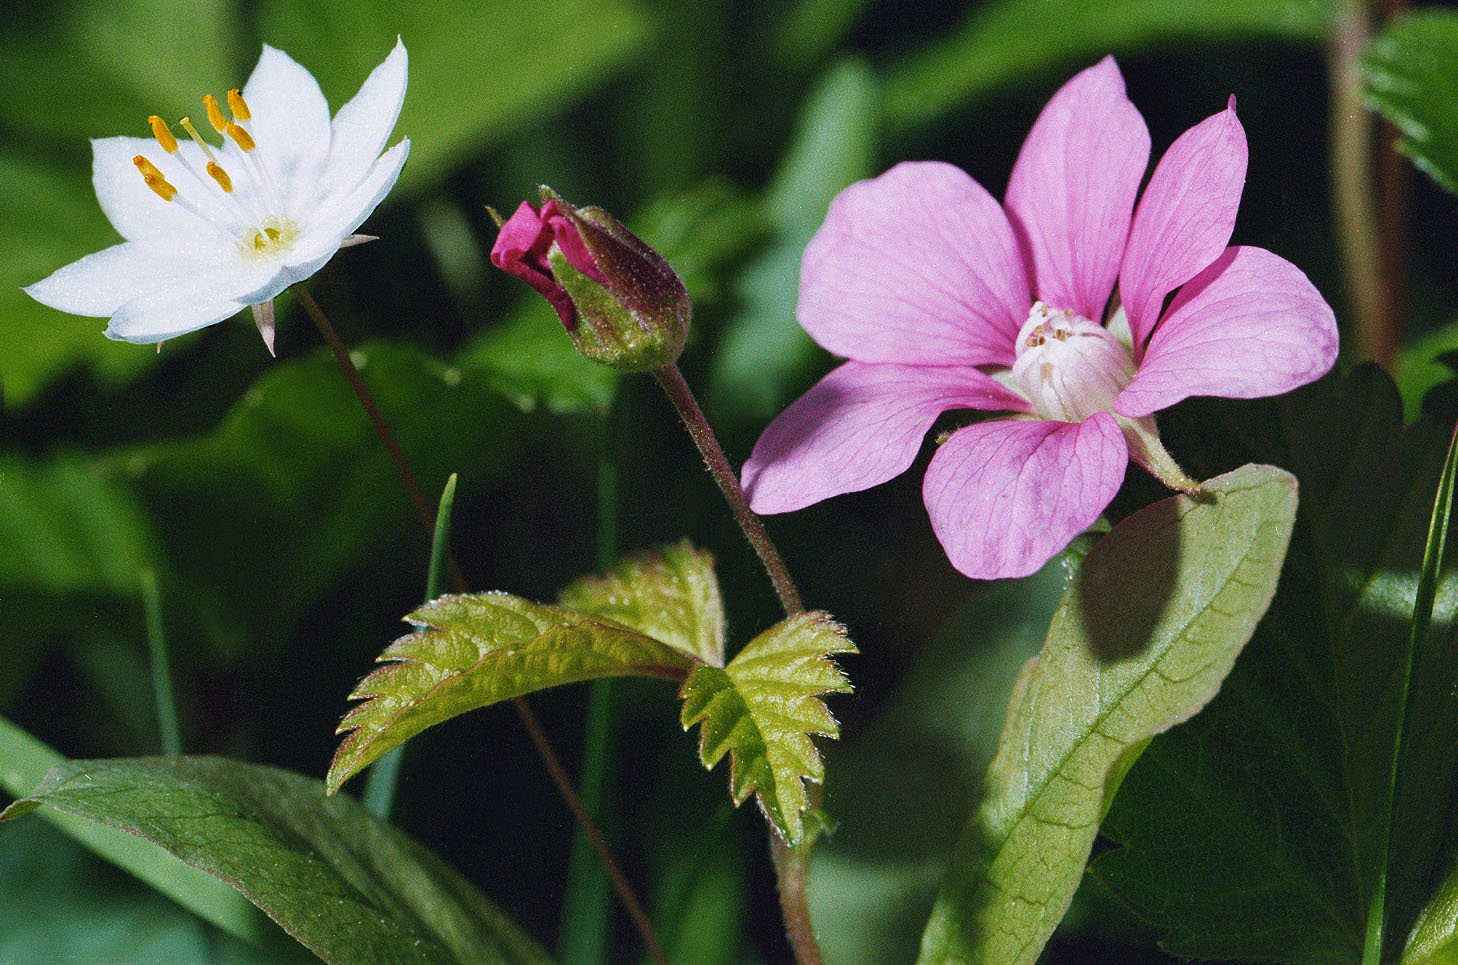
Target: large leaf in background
[[479, 69], [873, 882], [1254, 830], [670, 594], [763, 354], [529, 359], [477, 650], [1010, 40], [1142, 640], [349, 887], [762, 710], [319, 491], [1410, 75]]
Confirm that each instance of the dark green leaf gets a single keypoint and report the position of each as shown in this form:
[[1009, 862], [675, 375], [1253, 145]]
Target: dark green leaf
[[1142, 640], [1410, 75], [670, 594], [1011, 40], [347, 886], [762, 710], [476, 651], [1255, 831]]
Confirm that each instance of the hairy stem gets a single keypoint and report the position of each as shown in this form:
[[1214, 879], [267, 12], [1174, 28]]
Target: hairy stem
[[792, 866], [529, 720]]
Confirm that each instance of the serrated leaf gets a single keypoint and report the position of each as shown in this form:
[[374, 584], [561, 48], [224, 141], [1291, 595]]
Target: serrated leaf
[[1410, 76], [349, 887], [476, 650], [762, 710], [1010, 40], [1142, 639], [670, 594], [1255, 831]]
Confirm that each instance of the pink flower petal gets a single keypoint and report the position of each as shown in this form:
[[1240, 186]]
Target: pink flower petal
[[1072, 189], [1185, 217], [858, 427], [918, 266], [1250, 325], [1004, 497]]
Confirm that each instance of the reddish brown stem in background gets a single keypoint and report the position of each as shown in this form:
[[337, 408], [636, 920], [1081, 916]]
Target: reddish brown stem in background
[[529, 720]]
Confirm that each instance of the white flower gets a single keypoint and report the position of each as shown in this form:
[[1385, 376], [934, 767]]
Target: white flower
[[210, 229]]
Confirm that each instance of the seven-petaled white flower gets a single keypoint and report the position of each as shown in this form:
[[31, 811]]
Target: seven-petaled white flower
[[210, 229]]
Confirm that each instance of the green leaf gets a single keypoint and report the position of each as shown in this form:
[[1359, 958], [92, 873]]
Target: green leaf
[[1144, 636], [478, 650], [528, 358], [479, 69], [764, 355], [762, 710], [1256, 830], [347, 886], [1434, 937], [1011, 40], [1410, 76], [670, 594]]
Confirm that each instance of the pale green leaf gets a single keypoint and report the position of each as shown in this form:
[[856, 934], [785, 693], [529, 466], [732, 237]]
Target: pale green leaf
[[1141, 641], [762, 710], [477, 650], [670, 594], [1010, 40], [1434, 939], [349, 887], [1410, 75]]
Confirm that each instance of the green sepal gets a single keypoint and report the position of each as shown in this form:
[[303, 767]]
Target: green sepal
[[762, 710], [476, 650]]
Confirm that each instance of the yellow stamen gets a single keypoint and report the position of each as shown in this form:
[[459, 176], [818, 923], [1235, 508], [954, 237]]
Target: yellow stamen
[[163, 135], [216, 172], [238, 106], [186, 124], [240, 137], [154, 178], [215, 114]]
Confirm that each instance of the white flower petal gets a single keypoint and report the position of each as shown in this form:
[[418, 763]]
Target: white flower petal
[[178, 309], [100, 283], [290, 123], [339, 215], [362, 126], [136, 210]]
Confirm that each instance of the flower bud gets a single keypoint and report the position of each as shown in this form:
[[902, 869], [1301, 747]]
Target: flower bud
[[621, 303]]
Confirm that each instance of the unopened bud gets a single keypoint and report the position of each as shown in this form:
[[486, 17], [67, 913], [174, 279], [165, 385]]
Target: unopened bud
[[621, 303]]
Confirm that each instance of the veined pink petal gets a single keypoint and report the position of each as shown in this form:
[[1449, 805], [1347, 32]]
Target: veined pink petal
[[858, 427], [918, 266], [1185, 217], [1004, 497], [1072, 190], [1250, 325]]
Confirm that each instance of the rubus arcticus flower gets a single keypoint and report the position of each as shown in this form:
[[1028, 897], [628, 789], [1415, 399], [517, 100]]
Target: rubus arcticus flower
[[942, 299], [622, 304], [212, 229]]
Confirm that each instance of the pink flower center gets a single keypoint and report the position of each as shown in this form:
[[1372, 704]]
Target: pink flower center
[[1068, 366]]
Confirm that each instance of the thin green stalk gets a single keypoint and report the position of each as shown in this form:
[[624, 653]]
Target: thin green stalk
[[384, 777], [1422, 617], [167, 723], [584, 931]]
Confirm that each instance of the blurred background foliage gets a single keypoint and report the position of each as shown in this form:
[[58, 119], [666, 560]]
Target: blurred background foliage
[[719, 130]]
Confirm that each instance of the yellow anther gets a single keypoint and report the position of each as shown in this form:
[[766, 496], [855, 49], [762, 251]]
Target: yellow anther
[[154, 178], [216, 172], [186, 124], [163, 134], [238, 106], [215, 114], [240, 137]]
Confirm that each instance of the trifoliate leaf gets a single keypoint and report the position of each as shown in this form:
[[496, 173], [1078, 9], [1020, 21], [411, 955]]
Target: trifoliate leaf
[[670, 594], [345, 884], [762, 709], [476, 650]]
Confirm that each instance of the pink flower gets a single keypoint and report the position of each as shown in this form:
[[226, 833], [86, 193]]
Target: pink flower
[[941, 299], [522, 247]]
